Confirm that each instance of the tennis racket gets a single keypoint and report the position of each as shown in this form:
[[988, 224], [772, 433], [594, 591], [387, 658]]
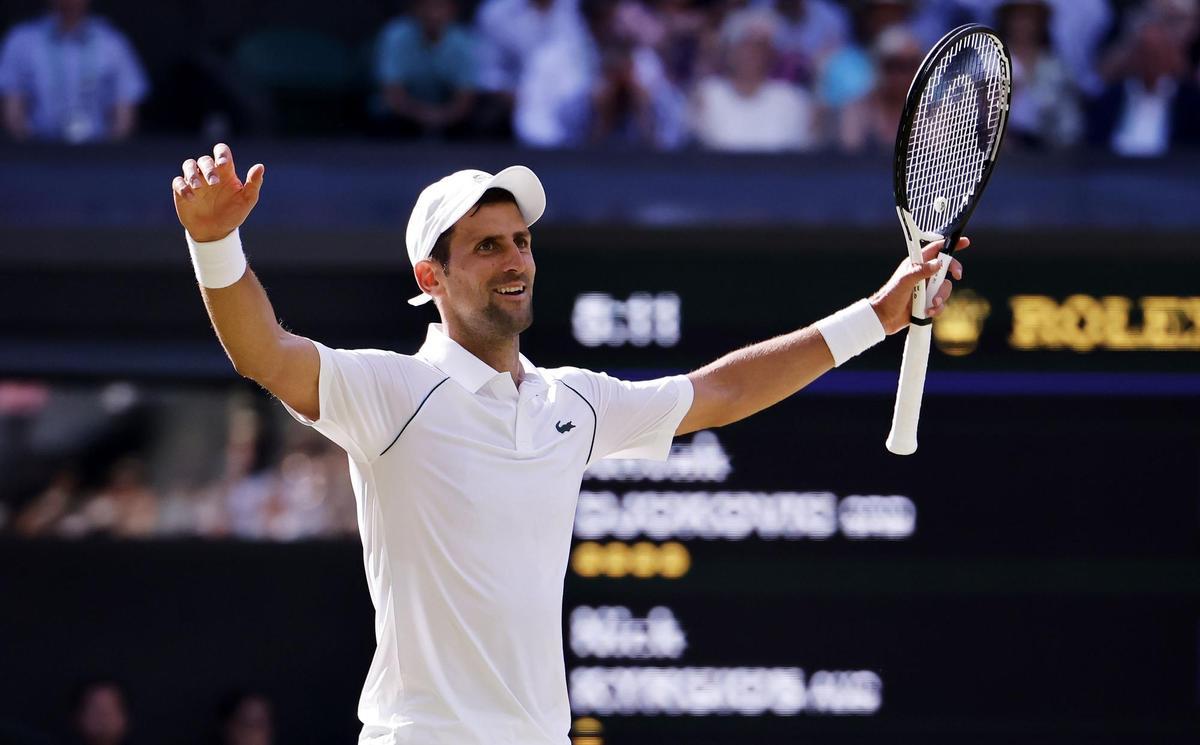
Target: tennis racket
[[949, 136]]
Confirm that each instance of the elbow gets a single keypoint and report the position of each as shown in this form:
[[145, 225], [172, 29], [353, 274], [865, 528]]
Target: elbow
[[246, 370]]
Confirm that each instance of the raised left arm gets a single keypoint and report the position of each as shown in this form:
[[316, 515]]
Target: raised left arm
[[750, 379]]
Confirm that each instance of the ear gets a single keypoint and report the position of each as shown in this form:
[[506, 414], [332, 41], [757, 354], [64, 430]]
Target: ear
[[429, 277]]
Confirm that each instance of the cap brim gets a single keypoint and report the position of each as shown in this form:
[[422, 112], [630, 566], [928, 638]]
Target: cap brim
[[525, 187]]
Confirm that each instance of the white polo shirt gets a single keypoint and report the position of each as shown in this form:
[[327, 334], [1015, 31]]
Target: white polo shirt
[[466, 489]]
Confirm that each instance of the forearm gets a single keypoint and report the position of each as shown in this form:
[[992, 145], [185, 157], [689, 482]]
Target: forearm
[[753, 378], [14, 117], [124, 120], [240, 312]]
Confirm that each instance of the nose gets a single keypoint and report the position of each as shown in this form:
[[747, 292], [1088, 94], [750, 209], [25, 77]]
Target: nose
[[515, 260]]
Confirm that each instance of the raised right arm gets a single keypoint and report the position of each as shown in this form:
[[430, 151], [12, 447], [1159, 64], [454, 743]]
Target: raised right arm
[[212, 203]]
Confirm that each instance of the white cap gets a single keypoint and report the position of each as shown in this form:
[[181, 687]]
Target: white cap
[[441, 205]]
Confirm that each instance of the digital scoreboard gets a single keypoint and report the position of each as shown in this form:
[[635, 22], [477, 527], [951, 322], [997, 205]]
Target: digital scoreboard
[[1031, 570]]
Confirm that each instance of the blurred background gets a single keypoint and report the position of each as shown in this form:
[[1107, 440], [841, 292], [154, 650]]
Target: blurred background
[[179, 561]]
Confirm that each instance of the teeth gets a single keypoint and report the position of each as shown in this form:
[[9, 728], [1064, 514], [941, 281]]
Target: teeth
[[510, 290]]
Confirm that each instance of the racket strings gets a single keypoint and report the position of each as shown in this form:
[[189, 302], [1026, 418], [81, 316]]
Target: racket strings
[[947, 154]]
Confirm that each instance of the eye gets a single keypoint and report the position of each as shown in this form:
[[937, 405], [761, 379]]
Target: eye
[[522, 242], [487, 245]]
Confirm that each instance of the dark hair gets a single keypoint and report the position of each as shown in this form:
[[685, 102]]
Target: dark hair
[[441, 247]]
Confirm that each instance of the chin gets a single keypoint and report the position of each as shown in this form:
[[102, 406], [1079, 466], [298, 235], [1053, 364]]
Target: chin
[[508, 323]]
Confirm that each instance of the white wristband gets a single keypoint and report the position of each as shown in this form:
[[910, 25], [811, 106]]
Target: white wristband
[[218, 263], [851, 331]]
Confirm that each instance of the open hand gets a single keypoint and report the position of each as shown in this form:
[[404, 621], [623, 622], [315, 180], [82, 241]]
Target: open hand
[[893, 301], [210, 200]]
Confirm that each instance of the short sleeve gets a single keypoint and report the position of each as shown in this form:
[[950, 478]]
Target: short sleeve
[[392, 54], [638, 419], [365, 395]]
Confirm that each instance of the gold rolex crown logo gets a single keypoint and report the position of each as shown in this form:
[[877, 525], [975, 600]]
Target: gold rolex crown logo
[[956, 331]]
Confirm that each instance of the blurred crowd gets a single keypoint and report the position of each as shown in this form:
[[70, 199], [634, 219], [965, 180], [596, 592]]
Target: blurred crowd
[[100, 714], [118, 461], [726, 75]]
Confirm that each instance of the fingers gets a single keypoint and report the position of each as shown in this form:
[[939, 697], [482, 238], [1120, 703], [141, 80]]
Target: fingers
[[925, 269], [181, 189], [956, 268], [223, 158], [938, 304], [933, 249], [254, 180], [191, 174], [208, 169]]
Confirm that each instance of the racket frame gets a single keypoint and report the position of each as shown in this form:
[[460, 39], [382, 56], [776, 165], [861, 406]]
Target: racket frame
[[902, 439]]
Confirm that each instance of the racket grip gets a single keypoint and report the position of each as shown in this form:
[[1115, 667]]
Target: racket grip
[[903, 438]]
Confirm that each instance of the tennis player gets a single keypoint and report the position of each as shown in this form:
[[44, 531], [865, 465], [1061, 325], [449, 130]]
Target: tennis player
[[466, 458]]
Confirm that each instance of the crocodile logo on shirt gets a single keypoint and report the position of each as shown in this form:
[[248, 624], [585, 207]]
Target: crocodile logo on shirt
[[564, 428]]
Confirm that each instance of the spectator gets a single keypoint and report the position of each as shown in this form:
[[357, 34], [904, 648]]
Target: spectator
[[245, 718], [100, 714], [1076, 28], [1179, 18], [1154, 102], [125, 507], [807, 32], [425, 65], [683, 29], [869, 123], [42, 515], [70, 77], [510, 32], [745, 110], [1045, 109], [931, 19], [849, 73], [598, 86]]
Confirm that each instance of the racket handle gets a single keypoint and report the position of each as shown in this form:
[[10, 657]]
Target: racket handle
[[903, 438]]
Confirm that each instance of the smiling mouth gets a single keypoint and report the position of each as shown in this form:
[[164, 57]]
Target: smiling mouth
[[516, 289]]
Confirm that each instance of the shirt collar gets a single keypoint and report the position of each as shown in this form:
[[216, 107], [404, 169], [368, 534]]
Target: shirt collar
[[465, 368], [82, 32]]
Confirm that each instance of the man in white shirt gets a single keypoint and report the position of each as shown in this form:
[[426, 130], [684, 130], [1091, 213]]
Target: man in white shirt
[[466, 459]]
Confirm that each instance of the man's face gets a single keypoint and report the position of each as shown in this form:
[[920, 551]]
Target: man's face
[[489, 252], [435, 16]]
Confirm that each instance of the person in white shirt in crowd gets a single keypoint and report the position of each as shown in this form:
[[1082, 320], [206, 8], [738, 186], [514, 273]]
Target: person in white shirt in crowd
[[1153, 102], [70, 77], [466, 458], [745, 110], [601, 85], [508, 33], [807, 32], [1045, 111]]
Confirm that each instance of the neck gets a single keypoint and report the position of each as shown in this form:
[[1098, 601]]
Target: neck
[[69, 21], [747, 85], [501, 354]]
